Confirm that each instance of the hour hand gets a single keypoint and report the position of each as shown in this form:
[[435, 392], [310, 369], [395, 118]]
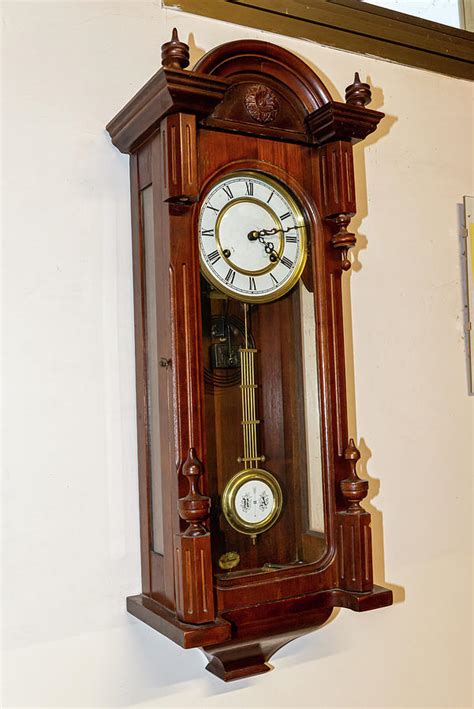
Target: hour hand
[[269, 246]]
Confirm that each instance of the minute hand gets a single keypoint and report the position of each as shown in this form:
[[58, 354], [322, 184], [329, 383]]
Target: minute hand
[[269, 232]]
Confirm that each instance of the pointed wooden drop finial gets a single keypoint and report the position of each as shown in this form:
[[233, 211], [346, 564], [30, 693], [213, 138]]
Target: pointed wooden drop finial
[[175, 54], [358, 93], [343, 239]]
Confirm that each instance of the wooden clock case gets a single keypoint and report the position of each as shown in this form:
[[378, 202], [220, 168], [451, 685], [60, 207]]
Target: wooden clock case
[[255, 106]]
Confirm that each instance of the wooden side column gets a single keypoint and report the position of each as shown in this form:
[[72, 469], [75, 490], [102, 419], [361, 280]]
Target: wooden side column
[[335, 127], [353, 530], [192, 542]]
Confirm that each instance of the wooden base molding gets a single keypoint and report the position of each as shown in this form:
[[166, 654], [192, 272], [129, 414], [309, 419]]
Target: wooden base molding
[[240, 643]]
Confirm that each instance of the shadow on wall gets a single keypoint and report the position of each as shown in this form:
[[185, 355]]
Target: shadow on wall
[[195, 52], [376, 517]]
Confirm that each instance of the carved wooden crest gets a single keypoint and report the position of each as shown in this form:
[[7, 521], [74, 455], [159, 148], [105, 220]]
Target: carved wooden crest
[[261, 103]]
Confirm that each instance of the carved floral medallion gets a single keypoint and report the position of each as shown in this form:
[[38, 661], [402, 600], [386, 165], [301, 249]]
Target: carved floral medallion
[[262, 103]]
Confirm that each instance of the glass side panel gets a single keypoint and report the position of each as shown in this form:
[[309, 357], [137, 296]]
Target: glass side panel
[[154, 447], [312, 417]]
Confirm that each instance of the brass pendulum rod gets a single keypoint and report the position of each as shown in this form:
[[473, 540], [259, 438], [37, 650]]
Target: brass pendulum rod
[[249, 407]]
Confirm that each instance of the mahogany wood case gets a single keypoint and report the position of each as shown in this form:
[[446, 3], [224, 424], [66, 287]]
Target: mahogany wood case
[[252, 106]]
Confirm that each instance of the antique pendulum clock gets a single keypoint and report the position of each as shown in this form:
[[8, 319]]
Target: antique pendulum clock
[[242, 187]]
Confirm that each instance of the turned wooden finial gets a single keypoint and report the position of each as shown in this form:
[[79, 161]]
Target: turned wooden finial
[[353, 488], [358, 93], [175, 54], [194, 508], [352, 452]]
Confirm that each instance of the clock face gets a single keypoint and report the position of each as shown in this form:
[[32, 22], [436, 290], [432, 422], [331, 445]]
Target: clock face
[[252, 237], [252, 501]]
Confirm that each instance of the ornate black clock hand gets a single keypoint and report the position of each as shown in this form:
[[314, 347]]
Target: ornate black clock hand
[[269, 246], [254, 235]]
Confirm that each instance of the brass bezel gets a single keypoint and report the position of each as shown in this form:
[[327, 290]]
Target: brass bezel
[[229, 495], [298, 270]]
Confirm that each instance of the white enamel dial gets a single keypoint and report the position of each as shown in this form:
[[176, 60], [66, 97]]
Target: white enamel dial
[[252, 237], [254, 502]]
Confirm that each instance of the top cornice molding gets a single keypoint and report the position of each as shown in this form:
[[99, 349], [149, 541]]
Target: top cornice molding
[[290, 102]]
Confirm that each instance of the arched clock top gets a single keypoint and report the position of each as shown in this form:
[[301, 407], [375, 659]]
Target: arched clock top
[[272, 91], [238, 61]]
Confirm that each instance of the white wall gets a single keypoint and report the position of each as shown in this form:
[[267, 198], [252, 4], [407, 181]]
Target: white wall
[[71, 512]]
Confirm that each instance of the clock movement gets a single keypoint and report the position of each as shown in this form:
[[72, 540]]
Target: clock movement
[[242, 189]]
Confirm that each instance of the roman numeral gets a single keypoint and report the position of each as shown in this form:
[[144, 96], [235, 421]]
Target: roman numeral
[[286, 262], [207, 232], [214, 257], [268, 200], [230, 275], [213, 208], [252, 285], [228, 191], [291, 239], [285, 216], [249, 188], [274, 279]]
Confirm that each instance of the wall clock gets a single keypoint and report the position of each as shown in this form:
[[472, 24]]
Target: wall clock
[[242, 190]]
